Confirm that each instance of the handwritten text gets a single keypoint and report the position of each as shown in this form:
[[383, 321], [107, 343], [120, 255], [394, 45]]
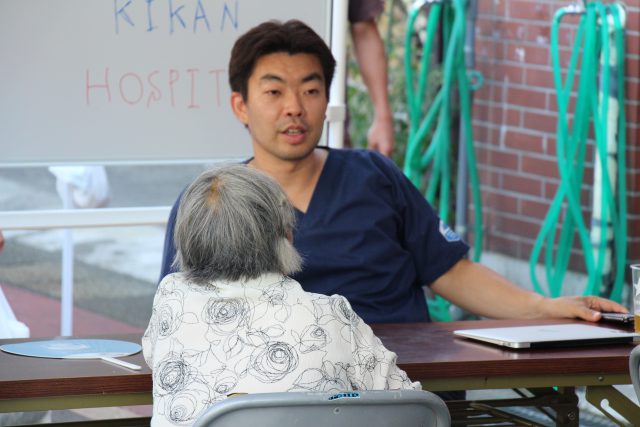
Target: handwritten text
[[174, 15], [189, 88]]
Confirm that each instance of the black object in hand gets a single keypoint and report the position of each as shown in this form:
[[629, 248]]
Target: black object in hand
[[625, 318]]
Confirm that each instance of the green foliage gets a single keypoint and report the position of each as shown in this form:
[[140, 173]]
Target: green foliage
[[392, 28]]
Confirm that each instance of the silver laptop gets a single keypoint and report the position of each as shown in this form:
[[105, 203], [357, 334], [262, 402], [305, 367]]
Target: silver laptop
[[545, 336]]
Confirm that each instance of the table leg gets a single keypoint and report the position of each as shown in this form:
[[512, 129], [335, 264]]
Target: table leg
[[567, 412], [560, 405], [597, 395]]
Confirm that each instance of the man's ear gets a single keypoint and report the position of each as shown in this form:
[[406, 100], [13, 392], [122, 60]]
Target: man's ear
[[239, 107]]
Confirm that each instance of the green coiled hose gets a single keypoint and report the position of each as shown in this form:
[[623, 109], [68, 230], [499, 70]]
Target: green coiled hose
[[591, 45], [434, 119]]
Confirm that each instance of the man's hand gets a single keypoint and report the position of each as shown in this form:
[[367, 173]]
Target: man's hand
[[586, 308], [1, 241], [484, 292], [380, 135], [372, 61]]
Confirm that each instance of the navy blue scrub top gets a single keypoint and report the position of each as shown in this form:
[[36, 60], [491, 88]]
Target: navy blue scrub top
[[368, 234]]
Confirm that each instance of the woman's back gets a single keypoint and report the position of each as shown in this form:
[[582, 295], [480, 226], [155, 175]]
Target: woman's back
[[205, 342]]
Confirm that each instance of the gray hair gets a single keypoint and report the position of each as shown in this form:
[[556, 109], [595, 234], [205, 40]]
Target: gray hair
[[233, 223]]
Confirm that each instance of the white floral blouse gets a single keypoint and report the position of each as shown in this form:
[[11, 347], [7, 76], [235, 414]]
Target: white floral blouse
[[205, 342]]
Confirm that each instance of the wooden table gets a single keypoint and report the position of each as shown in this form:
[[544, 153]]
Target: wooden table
[[432, 354], [33, 384], [426, 351]]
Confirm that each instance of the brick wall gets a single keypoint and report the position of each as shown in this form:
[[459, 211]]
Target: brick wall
[[515, 121]]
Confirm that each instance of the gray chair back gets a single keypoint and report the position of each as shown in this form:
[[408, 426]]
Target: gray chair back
[[371, 408], [634, 370]]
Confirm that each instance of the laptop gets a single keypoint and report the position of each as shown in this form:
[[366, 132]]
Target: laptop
[[547, 336]]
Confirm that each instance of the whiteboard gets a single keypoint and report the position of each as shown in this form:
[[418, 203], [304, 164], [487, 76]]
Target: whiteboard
[[108, 81]]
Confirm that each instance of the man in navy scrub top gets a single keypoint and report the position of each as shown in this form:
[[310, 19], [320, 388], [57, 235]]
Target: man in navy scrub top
[[363, 229]]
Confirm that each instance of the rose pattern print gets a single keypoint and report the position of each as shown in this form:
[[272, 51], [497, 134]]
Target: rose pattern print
[[275, 298], [312, 338], [273, 362], [328, 377], [205, 342], [226, 315], [172, 374], [185, 406]]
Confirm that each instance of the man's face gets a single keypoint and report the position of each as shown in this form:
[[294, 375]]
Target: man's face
[[285, 106]]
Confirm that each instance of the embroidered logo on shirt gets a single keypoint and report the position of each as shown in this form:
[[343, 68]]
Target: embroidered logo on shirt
[[448, 234]]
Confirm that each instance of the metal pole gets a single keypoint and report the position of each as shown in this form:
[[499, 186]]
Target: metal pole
[[66, 292], [336, 111], [463, 176]]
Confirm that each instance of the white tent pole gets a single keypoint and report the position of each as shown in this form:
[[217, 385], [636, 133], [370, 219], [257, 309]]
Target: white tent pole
[[336, 111], [66, 293]]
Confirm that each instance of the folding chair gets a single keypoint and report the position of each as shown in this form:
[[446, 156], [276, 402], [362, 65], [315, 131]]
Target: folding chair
[[372, 408], [634, 369]]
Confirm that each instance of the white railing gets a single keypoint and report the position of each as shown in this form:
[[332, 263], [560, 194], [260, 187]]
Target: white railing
[[67, 219]]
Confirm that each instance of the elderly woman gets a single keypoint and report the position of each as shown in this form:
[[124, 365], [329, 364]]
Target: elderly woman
[[231, 321]]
